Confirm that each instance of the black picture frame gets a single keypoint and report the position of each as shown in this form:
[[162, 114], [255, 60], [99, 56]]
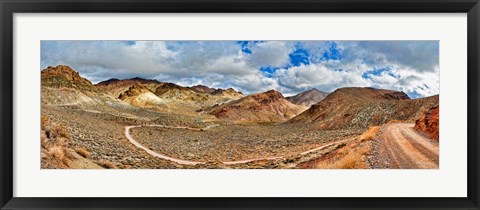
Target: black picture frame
[[10, 7]]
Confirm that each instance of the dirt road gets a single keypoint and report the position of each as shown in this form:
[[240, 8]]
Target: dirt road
[[188, 162], [155, 154], [180, 161], [400, 146]]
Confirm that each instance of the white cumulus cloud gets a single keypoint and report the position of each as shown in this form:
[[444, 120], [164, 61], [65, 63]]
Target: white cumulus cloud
[[409, 66]]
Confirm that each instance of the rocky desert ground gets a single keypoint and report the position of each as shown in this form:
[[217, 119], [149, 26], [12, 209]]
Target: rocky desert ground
[[147, 124]]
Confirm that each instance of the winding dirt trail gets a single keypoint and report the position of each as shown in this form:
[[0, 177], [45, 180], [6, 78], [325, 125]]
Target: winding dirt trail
[[155, 154], [188, 162], [401, 146]]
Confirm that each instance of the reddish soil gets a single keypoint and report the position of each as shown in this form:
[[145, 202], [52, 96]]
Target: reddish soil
[[428, 123]]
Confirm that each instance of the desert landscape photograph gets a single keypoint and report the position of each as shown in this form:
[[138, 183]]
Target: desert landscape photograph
[[255, 104]]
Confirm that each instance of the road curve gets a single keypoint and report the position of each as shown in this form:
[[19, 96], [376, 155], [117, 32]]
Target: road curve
[[400, 146], [155, 154], [188, 162]]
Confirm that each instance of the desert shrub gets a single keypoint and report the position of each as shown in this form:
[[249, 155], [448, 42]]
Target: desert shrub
[[351, 156], [44, 140], [370, 134], [70, 153], [57, 152], [61, 131], [52, 130], [44, 120], [349, 161], [67, 161], [55, 139], [106, 164], [83, 152]]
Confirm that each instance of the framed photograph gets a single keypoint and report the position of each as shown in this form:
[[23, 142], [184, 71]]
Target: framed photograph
[[239, 105]]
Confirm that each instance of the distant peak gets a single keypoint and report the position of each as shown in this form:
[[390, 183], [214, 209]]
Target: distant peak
[[137, 78], [273, 94], [201, 86], [312, 91], [115, 81], [203, 89], [272, 91], [169, 84], [108, 81], [229, 91], [143, 79]]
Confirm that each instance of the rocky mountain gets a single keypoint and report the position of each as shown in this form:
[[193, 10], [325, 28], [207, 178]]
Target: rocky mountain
[[163, 96], [269, 106], [203, 89], [183, 98], [61, 85], [230, 92], [308, 97], [428, 122], [134, 90], [115, 87], [363, 107], [177, 92], [140, 96], [65, 77], [131, 80], [140, 92]]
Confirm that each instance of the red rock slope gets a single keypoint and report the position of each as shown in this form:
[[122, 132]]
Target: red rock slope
[[428, 123]]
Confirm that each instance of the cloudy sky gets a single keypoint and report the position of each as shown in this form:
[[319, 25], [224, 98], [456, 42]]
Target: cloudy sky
[[256, 66]]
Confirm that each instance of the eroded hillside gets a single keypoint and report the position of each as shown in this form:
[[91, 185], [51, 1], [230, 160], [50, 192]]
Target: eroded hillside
[[429, 122], [363, 107], [270, 106]]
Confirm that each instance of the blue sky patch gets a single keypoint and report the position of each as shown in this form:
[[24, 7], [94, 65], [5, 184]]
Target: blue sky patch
[[377, 72], [333, 53], [129, 43], [246, 50], [269, 71], [299, 56], [245, 44], [414, 95]]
